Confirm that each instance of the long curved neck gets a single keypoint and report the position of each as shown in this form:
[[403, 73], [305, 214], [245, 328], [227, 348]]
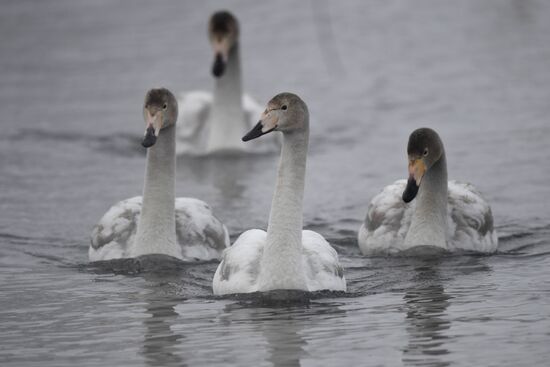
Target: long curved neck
[[429, 221], [227, 115], [156, 231], [281, 266]]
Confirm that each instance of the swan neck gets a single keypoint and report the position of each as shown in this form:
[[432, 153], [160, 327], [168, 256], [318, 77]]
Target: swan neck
[[285, 218], [156, 232], [227, 118], [429, 221], [281, 266]]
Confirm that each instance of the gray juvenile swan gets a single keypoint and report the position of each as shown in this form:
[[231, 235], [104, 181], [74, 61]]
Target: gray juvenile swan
[[451, 216], [184, 228], [214, 123], [286, 257]]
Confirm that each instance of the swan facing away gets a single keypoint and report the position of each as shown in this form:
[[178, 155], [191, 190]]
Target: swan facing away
[[286, 257], [451, 216], [214, 123], [158, 223]]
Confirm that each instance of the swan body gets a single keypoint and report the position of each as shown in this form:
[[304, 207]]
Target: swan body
[[240, 268], [199, 234], [446, 215], [469, 221], [212, 123], [286, 256], [157, 222]]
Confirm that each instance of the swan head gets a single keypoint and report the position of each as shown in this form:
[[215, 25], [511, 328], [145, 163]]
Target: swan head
[[223, 32], [425, 148], [286, 112], [160, 110]]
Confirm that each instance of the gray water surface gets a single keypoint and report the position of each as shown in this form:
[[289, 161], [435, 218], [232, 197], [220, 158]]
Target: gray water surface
[[73, 75]]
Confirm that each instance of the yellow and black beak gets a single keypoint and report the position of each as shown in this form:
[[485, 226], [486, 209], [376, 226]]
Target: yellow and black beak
[[154, 124], [417, 168], [268, 123]]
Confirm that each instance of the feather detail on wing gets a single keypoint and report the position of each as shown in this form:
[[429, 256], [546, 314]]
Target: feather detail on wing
[[322, 268], [200, 234], [470, 220], [240, 266]]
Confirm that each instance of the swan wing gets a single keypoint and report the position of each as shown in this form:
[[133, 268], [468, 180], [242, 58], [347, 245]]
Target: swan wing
[[470, 220], [191, 127], [200, 234], [322, 268], [387, 222], [115, 230], [240, 266]]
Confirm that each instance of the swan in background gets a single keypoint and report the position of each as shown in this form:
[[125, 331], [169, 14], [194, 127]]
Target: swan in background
[[158, 223], [452, 216], [286, 257], [214, 123]]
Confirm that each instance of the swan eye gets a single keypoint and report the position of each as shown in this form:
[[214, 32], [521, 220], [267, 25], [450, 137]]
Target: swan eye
[[164, 106], [425, 152], [284, 107]]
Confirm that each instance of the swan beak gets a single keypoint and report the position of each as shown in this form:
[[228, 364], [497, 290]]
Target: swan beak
[[417, 168], [221, 52], [268, 123], [152, 130]]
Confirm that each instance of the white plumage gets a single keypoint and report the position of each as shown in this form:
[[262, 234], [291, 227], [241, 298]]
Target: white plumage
[[285, 257], [239, 269], [214, 123], [200, 235], [469, 222]]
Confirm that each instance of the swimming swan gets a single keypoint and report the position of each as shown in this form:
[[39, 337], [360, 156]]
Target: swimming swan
[[285, 257], [214, 123], [446, 215], [159, 223]]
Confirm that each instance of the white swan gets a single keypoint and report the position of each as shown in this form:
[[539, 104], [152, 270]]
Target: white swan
[[215, 123], [184, 228], [285, 257], [447, 215]]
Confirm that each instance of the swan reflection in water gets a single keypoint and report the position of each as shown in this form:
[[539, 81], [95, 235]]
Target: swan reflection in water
[[426, 303], [160, 344], [283, 328], [426, 319]]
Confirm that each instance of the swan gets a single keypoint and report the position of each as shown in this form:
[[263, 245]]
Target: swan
[[451, 216], [214, 123], [158, 223], [286, 257]]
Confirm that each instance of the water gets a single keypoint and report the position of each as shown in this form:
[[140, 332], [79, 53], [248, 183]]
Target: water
[[73, 76]]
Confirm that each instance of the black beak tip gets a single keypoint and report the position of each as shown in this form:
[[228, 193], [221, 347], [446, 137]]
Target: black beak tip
[[410, 191], [150, 139], [219, 66], [254, 133]]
